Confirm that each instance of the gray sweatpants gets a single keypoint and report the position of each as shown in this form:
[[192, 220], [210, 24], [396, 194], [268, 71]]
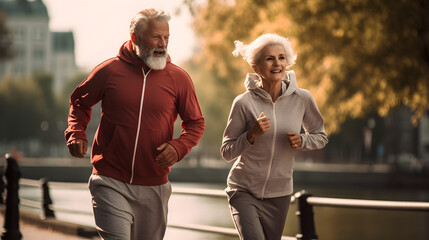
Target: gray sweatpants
[[258, 219], [129, 212]]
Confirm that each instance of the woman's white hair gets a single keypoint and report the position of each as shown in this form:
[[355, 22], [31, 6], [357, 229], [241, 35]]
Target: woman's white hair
[[140, 20], [252, 52]]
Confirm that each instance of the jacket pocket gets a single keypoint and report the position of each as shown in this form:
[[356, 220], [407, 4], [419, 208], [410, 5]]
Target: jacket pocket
[[105, 134], [149, 140]]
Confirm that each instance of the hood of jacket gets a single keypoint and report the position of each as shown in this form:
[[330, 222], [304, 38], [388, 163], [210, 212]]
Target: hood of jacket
[[127, 54], [289, 85]]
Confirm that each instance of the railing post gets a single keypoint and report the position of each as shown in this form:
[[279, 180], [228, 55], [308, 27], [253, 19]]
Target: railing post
[[306, 217], [11, 224], [46, 201], [2, 187]]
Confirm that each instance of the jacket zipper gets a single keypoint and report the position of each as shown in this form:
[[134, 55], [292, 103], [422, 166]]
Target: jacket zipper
[[272, 150], [138, 124]]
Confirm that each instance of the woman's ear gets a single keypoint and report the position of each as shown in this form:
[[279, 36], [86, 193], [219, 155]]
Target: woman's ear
[[255, 68], [133, 38]]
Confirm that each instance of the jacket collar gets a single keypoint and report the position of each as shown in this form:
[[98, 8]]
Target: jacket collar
[[289, 84]]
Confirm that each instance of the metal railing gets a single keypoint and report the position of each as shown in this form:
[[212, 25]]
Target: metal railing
[[49, 206], [202, 192], [368, 204], [46, 203], [304, 200]]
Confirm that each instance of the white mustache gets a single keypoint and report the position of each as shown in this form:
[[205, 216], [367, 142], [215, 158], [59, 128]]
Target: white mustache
[[160, 50]]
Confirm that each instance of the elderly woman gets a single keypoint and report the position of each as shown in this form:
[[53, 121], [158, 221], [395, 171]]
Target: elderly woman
[[263, 134]]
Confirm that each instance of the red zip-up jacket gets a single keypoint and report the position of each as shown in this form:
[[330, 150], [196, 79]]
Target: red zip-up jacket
[[138, 111]]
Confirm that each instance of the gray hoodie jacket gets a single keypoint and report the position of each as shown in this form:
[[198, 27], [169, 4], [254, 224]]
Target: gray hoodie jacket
[[265, 167]]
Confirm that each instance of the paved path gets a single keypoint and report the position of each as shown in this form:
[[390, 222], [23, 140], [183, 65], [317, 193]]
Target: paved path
[[34, 228], [33, 232]]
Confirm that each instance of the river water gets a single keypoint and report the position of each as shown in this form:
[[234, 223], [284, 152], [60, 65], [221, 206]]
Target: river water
[[331, 223]]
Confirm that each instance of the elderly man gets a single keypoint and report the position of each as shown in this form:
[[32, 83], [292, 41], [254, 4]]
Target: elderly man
[[141, 94]]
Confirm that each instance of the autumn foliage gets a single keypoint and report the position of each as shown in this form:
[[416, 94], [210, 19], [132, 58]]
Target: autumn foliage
[[355, 56]]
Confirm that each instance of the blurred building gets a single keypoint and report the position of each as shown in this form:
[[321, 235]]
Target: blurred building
[[406, 144], [63, 64], [392, 139], [423, 147], [36, 49]]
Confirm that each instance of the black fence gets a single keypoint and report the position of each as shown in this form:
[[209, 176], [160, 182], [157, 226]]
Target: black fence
[[304, 200]]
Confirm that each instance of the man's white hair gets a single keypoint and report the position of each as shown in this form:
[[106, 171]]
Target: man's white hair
[[252, 52], [140, 20]]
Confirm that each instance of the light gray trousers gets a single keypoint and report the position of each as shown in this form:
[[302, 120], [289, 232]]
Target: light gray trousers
[[129, 212], [258, 219]]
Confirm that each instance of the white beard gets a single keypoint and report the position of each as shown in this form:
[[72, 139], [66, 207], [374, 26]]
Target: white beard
[[155, 63]]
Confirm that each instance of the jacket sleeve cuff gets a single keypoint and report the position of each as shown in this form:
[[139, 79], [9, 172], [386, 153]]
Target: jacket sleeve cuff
[[181, 152], [304, 141], [72, 135]]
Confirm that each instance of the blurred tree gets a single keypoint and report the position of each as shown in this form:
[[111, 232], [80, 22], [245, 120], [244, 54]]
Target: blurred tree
[[5, 40], [51, 125], [45, 83], [22, 109], [213, 102], [30, 110], [355, 56], [71, 84]]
